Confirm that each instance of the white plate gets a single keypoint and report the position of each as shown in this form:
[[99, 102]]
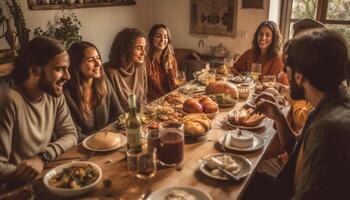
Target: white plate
[[262, 124], [120, 144], [68, 192], [258, 142], [244, 163], [163, 192]]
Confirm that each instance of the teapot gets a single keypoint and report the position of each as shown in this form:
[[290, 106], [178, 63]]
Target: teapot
[[219, 51]]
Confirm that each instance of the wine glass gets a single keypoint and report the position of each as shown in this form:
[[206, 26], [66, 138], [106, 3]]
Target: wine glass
[[146, 166], [255, 71], [180, 78]]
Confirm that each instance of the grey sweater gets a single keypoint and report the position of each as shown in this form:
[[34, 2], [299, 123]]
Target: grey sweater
[[27, 128], [129, 81]]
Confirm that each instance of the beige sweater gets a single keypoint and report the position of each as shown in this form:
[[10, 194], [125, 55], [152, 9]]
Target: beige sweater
[[27, 128], [129, 81]]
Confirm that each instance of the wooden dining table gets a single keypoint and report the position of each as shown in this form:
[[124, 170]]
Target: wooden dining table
[[125, 185]]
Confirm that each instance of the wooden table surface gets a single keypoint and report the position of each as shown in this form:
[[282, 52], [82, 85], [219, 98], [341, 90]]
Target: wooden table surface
[[126, 186]]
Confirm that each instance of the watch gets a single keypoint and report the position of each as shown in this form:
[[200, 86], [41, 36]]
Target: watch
[[45, 157]]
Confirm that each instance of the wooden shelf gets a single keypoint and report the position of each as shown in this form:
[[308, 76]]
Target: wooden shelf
[[78, 5]]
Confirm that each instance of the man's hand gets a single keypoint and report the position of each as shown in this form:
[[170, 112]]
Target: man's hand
[[29, 169], [269, 108]]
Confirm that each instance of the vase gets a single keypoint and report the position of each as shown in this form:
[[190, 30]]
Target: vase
[[10, 37]]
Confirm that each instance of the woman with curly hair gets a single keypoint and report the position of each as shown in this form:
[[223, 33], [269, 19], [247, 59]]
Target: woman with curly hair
[[126, 67], [266, 50], [162, 65], [89, 94]]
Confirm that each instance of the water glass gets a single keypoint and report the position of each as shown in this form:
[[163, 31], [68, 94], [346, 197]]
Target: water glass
[[180, 78], [228, 62], [146, 166], [131, 156]]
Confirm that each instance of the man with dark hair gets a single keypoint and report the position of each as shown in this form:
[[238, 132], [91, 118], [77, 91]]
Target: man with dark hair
[[317, 63], [34, 112]]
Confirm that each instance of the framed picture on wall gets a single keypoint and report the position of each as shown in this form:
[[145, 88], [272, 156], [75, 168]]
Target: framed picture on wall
[[73, 4], [213, 17], [253, 4]]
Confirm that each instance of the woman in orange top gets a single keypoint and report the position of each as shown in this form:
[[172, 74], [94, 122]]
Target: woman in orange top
[[161, 66], [267, 50]]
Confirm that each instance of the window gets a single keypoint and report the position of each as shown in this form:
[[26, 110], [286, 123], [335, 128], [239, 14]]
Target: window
[[333, 13]]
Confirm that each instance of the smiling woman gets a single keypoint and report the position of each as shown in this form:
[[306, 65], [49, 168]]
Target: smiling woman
[[162, 65], [126, 66], [90, 97], [266, 50]]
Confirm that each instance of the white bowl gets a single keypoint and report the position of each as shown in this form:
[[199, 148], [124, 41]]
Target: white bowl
[[244, 141], [65, 192]]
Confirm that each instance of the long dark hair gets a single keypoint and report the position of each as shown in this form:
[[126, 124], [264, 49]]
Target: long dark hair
[[74, 86], [122, 47], [38, 52], [276, 45], [167, 53]]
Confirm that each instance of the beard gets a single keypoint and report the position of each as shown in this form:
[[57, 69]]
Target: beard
[[296, 92], [47, 87]]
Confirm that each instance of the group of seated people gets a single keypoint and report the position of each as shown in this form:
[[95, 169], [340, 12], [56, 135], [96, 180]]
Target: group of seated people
[[61, 96]]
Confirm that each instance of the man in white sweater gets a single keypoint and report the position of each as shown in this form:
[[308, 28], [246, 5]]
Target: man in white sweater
[[35, 122]]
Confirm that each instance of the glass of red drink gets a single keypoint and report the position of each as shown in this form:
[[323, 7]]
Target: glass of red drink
[[171, 149]]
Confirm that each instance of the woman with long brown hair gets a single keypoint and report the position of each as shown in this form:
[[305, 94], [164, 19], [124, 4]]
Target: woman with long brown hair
[[266, 49], [89, 94], [126, 67], [162, 65]]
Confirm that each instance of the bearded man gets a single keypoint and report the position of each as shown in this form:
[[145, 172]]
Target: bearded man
[[317, 64], [35, 122]]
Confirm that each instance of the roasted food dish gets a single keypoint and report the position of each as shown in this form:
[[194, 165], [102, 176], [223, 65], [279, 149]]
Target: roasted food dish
[[196, 124], [103, 140], [200, 104], [223, 99], [245, 118], [74, 177], [174, 99], [222, 87]]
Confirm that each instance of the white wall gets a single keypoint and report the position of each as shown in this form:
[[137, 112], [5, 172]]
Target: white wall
[[101, 24], [176, 14]]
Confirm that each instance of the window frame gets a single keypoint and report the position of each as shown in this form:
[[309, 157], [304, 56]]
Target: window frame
[[321, 15]]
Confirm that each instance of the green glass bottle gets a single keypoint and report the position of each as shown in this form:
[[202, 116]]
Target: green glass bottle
[[133, 126]]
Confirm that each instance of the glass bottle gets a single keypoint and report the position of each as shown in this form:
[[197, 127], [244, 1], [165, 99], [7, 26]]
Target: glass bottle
[[133, 126]]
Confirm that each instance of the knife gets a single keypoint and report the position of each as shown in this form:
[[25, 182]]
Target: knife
[[229, 174]]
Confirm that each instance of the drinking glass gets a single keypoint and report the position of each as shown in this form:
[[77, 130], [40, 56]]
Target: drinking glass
[[131, 156], [171, 149], [255, 71], [269, 78], [180, 78], [146, 166], [228, 62]]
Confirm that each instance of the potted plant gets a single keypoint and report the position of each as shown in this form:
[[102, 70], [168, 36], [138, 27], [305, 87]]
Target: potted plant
[[65, 28]]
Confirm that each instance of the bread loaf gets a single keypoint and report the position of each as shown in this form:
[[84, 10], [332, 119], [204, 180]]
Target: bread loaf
[[196, 124], [103, 140], [222, 87]]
